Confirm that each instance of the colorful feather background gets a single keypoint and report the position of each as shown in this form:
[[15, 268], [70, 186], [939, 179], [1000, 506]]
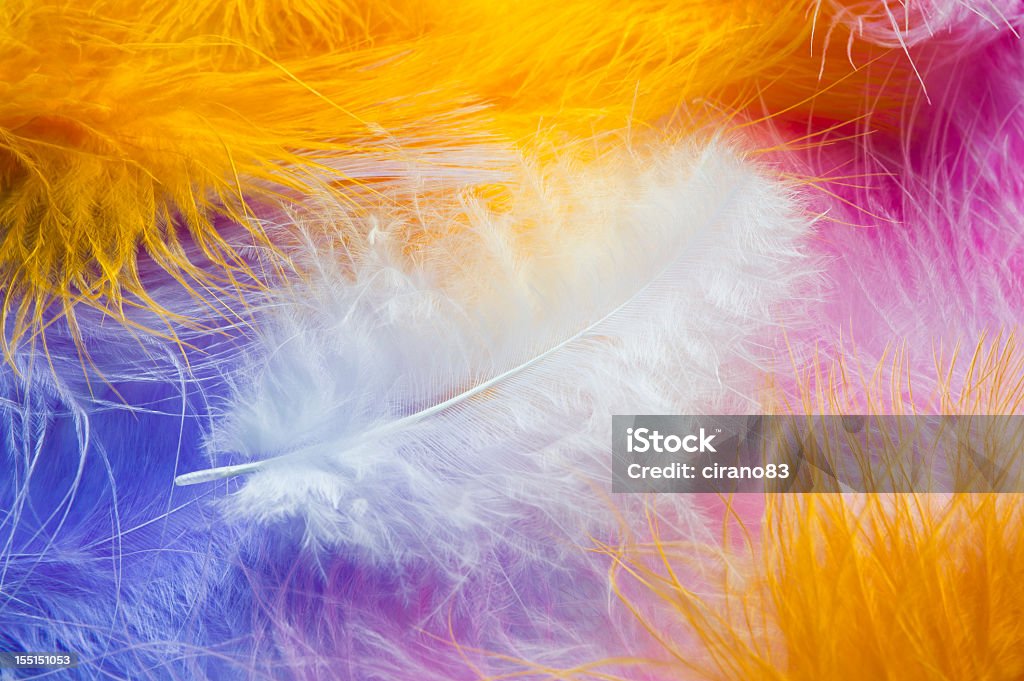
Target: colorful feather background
[[316, 313]]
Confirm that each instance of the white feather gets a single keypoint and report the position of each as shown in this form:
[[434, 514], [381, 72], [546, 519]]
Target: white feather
[[421, 402]]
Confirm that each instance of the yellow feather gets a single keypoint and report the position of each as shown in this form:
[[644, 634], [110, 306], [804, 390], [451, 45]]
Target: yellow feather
[[847, 587], [128, 125]]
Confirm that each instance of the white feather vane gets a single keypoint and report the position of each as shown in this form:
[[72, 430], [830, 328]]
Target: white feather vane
[[425, 401]]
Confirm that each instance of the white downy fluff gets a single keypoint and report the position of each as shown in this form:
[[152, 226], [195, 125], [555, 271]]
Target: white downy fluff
[[415, 401]]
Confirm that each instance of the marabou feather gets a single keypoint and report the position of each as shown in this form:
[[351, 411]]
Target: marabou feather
[[846, 586], [100, 555], [921, 226], [437, 422], [130, 127], [393, 379]]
